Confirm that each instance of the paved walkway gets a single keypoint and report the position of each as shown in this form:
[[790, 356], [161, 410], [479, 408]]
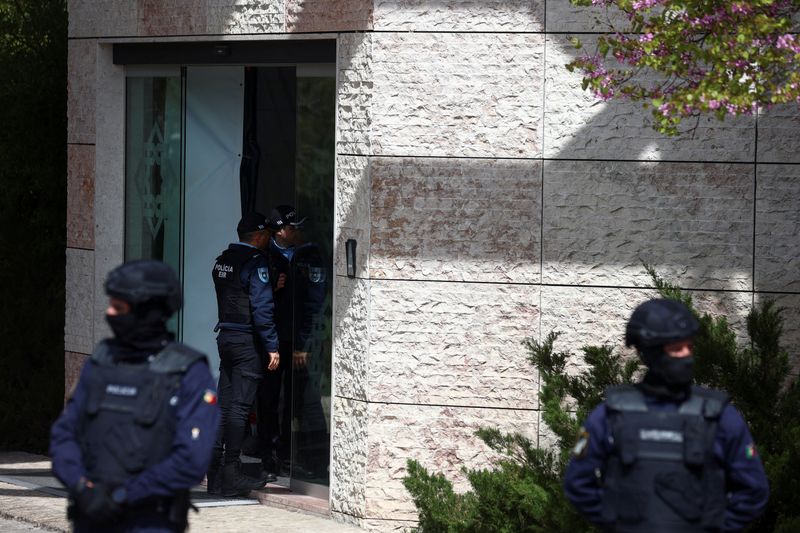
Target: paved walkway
[[29, 493]]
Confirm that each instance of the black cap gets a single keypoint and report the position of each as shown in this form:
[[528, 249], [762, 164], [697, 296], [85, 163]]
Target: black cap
[[251, 222], [284, 215]]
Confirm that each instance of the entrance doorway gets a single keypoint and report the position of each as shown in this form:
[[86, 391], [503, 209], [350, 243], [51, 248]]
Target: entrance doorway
[[206, 143]]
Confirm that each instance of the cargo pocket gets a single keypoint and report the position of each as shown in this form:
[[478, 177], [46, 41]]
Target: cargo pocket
[[681, 492]]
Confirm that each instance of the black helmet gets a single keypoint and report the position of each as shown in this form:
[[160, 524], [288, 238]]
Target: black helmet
[[659, 321], [145, 280]]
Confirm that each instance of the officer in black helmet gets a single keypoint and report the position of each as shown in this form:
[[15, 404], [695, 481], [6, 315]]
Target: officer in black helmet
[[137, 432], [663, 455]]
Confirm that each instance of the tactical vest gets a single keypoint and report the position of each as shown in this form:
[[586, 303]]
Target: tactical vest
[[233, 300], [662, 475], [129, 423]]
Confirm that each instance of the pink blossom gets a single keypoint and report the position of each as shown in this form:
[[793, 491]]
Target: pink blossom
[[645, 4], [646, 38], [714, 104]]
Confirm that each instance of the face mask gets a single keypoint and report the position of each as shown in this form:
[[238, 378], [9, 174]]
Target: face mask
[[677, 372], [142, 327]]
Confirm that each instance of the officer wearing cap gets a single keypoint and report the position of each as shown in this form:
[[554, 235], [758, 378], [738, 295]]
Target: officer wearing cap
[[247, 342], [663, 455], [137, 431], [300, 283]]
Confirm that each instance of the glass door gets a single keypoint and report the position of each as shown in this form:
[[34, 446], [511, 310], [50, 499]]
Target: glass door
[[203, 145]]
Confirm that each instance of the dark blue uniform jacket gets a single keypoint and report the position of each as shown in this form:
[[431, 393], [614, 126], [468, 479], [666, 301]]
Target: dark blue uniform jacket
[[747, 485], [196, 419], [261, 303]]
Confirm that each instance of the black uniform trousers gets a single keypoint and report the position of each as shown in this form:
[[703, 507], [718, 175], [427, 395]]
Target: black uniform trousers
[[241, 368]]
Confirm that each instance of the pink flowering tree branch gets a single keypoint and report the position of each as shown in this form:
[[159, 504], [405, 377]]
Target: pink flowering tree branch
[[685, 58]]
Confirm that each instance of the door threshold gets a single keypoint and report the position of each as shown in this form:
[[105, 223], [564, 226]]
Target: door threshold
[[276, 495]]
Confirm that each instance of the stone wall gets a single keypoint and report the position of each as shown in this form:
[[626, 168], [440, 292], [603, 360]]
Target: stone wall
[[491, 199]]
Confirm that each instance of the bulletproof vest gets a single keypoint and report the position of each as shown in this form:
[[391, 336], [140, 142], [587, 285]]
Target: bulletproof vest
[[129, 422], [662, 475], [233, 300]]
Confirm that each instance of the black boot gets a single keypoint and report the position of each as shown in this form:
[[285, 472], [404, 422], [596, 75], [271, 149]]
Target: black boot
[[214, 478], [235, 483]]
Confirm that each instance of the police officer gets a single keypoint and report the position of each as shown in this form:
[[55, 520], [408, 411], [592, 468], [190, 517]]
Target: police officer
[[663, 455], [138, 430], [299, 287], [247, 342]]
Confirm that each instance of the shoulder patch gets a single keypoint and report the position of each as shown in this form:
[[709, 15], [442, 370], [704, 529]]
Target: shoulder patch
[[581, 444], [263, 274]]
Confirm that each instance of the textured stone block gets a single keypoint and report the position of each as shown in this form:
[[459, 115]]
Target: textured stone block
[[790, 341], [79, 317], [109, 198], [452, 344], [442, 439], [385, 526], [501, 16], [239, 17], [778, 138], [563, 16], [81, 79], [455, 219], [352, 213], [588, 316], [603, 219], [457, 94], [80, 196], [355, 89], [578, 125], [349, 442], [351, 338], [171, 17], [777, 250], [73, 363], [328, 15], [107, 18]]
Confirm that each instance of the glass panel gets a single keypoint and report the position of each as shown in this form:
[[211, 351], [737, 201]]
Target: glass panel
[[153, 170], [314, 178], [214, 100]]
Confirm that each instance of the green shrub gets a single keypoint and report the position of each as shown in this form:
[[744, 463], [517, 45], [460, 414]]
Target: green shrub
[[522, 492]]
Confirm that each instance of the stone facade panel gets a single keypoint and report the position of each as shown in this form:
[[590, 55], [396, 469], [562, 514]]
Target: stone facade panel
[[452, 344], [597, 316], [352, 212], [442, 439], [238, 17], [565, 17], [355, 91], [579, 126], [79, 317], [80, 196], [170, 17], [790, 341], [457, 94], [109, 18], [351, 341], [603, 220], [455, 219], [328, 15], [777, 231], [502, 16], [81, 80], [349, 458], [778, 141]]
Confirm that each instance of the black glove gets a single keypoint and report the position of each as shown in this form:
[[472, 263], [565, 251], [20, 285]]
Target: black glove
[[95, 504]]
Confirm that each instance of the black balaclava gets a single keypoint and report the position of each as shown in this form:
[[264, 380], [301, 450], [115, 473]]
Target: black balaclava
[[142, 331], [667, 377]]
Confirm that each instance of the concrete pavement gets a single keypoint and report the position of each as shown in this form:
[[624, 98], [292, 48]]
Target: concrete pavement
[[30, 494]]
